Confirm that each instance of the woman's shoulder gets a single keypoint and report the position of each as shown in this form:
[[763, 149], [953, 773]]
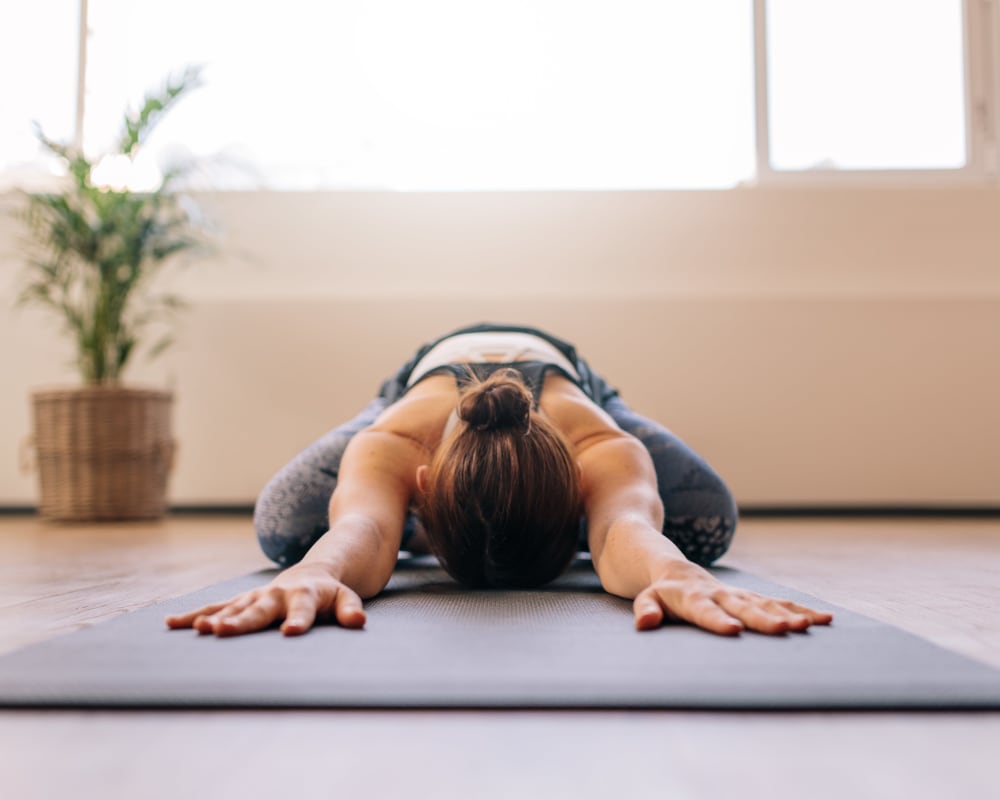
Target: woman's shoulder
[[581, 421], [422, 412]]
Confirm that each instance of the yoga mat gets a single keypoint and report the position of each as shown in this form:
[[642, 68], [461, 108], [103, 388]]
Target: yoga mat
[[430, 644]]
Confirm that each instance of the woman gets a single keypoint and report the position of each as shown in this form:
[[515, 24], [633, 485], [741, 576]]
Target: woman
[[500, 451]]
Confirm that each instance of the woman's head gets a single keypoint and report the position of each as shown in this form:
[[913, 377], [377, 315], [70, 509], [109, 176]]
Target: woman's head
[[501, 498]]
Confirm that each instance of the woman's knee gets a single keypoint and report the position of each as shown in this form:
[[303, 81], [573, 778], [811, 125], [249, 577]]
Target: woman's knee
[[289, 516], [699, 510], [700, 513], [292, 511]]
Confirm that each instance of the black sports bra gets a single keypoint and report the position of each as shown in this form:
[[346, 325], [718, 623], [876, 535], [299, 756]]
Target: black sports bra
[[533, 373]]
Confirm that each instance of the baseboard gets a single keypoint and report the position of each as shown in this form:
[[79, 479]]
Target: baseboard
[[749, 511], [868, 511], [181, 510], [211, 509]]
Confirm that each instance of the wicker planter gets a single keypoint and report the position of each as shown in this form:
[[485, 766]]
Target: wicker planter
[[103, 453]]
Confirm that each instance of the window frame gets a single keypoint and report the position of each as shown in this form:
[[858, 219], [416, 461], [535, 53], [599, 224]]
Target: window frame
[[981, 35]]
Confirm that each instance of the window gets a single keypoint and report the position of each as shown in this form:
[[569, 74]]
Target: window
[[857, 84], [521, 94], [446, 94]]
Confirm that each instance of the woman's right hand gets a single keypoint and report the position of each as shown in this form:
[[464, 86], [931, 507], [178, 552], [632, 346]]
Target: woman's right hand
[[298, 596]]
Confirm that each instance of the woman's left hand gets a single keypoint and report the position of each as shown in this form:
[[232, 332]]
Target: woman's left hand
[[702, 600]]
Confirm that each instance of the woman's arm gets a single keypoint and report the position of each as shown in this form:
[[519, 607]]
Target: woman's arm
[[368, 509], [352, 560], [634, 560]]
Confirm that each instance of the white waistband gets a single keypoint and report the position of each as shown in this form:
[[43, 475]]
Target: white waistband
[[496, 346]]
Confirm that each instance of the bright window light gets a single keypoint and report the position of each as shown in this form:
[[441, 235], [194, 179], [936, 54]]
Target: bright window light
[[440, 94], [38, 59], [493, 94], [866, 84]]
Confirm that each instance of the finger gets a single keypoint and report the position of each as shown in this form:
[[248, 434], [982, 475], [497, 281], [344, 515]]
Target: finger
[[265, 610], [348, 609], [799, 617], [706, 613], [205, 623], [796, 621], [815, 617], [648, 611], [753, 612], [301, 613], [186, 620]]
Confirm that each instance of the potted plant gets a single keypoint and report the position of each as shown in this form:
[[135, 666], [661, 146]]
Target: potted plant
[[104, 450]]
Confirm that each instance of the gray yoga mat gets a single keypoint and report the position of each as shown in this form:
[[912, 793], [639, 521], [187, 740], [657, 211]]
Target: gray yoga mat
[[429, 643]]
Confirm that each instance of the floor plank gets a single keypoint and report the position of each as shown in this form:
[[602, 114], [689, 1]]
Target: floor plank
[[938, 578]]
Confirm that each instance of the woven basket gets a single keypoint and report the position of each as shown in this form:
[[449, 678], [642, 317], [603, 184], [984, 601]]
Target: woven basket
[[103, 453]]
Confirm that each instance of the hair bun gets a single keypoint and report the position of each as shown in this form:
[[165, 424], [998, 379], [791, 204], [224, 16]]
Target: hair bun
[[501, 401]]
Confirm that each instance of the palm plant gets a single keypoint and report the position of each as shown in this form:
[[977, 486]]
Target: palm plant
[[95, 250]]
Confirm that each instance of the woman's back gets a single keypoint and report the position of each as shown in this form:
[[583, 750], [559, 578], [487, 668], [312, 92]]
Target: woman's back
[[426, 412]]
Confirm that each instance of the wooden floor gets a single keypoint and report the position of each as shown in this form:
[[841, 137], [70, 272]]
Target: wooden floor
[[937, 578]]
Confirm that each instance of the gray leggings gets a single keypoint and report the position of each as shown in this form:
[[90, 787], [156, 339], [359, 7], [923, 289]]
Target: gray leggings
[[292, 510]]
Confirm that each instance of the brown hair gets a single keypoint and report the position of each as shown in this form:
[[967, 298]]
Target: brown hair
[[502, 502]]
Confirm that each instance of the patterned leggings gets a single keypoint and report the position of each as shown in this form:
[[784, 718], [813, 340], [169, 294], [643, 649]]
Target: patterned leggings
[[291, 512]]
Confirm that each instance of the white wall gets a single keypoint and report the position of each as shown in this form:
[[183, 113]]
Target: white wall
[[817, 345]]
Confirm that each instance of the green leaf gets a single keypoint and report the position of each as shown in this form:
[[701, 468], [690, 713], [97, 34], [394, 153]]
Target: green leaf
[[125, 347], [139, 126], [158, 348]]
